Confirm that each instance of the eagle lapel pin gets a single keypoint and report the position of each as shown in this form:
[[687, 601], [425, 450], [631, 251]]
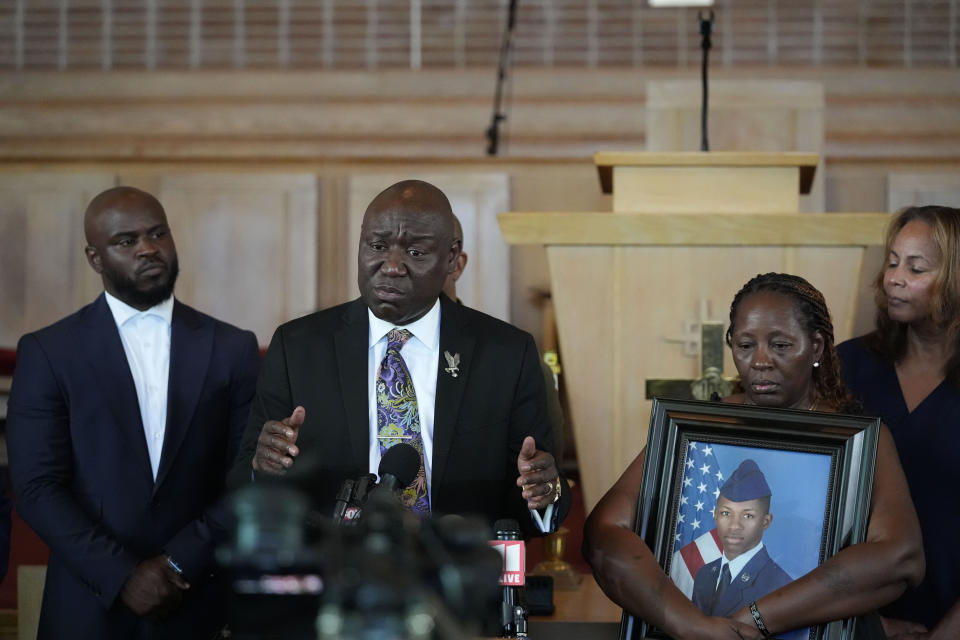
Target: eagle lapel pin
[[453, 363]]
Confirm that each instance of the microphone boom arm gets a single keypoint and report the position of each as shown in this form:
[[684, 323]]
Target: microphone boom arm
[[506, 48], [706, 28]]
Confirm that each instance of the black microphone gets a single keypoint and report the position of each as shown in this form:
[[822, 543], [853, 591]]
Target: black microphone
[[343, 498], [513, 604], [398, 468], [358, 495]]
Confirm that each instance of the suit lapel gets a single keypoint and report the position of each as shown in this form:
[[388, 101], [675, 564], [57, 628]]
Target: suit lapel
[[114, 381], [455, 339], [191, 345], [351, 343]]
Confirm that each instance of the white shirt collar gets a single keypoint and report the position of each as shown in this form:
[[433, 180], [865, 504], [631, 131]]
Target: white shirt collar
[[426, 329], [122, 312], [738, 563]]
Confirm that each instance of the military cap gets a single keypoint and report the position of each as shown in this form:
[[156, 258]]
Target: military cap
[[746, 483]]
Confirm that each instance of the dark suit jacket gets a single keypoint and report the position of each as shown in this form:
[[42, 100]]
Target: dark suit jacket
[[481, 416], [759, 577], [81, 471]]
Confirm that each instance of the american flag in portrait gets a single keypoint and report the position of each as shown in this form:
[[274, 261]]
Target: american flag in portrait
[[695, 541]]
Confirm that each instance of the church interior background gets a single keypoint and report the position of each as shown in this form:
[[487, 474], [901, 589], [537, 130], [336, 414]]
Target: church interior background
[[265, 126]]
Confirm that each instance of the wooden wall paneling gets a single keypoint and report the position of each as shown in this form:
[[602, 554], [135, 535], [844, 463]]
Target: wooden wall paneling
[[545, 187], [588, 274], [476, 199], [844, 278], [247, 245], [862, 302], [312, 116], [913, 189], [44, 274], [336, 247]]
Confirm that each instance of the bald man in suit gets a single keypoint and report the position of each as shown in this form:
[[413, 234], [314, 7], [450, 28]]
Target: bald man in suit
[[123, 420], [480, 419]]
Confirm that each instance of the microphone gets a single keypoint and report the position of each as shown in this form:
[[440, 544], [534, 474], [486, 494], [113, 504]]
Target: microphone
[[359, 496], [398, 468], [513, 604], [350, 499], [343, 497]]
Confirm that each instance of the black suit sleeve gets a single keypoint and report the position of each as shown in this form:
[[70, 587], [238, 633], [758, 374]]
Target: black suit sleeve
[[193, 546], [272, 401], [529, 417], [41, 467]]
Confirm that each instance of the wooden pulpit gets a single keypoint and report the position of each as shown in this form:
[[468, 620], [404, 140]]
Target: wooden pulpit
[[632, 287]]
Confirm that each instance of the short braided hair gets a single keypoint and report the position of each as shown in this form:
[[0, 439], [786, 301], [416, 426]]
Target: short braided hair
[[813, 315]]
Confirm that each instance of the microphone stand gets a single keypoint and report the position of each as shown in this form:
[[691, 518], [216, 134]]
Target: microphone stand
[[706, 28], [506, 48]]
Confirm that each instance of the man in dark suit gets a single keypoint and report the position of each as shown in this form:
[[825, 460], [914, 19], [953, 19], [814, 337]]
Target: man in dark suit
[[745, 572], [123, 420], [479, 397]]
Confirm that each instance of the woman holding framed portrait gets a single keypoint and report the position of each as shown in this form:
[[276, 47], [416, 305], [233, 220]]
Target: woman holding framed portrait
[[782, 341], [908, 372]]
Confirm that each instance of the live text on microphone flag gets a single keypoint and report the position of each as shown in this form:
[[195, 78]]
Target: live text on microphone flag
[[514, 562], [695, 541]]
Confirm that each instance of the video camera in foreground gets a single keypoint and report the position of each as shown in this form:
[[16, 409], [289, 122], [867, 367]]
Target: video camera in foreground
[[374, 571]]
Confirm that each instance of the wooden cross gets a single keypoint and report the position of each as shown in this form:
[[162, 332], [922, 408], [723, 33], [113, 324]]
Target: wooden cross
[[711, 368]]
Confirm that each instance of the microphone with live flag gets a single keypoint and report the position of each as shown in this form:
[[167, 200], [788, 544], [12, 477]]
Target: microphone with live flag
[[513, 605]]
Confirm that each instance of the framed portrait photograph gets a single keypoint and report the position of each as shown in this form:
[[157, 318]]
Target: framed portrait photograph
[[737, 501]]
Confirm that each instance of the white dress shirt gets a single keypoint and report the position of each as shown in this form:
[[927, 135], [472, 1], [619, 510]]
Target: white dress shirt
[[146, 342], [738, 563], [421, 353]]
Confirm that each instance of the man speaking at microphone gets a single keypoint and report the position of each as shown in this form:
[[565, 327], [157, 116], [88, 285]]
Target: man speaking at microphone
[[404, 363]]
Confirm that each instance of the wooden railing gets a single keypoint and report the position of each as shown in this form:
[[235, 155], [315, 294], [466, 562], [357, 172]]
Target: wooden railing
[[413, 34]]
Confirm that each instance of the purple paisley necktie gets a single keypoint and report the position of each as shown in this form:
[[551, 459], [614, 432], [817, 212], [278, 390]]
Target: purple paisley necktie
[[398, 419]]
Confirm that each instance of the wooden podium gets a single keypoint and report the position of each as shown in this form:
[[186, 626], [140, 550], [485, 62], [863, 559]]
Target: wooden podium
[[633, 288], [715, 182]]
